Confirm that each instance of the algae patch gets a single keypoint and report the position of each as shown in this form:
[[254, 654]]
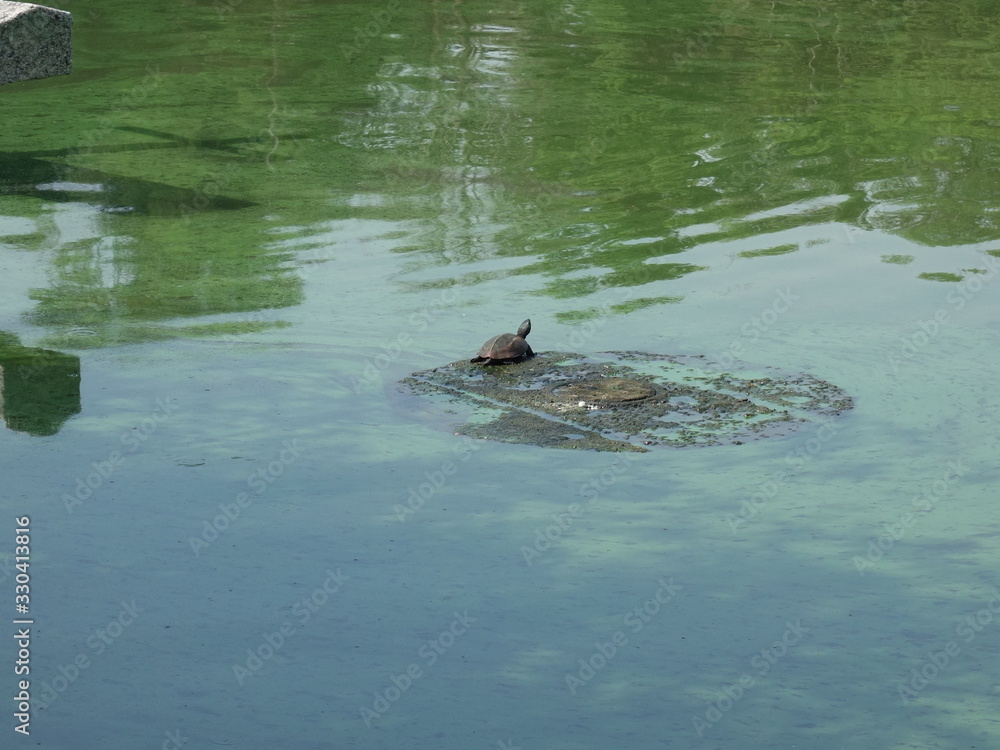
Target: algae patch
[[627, 401]]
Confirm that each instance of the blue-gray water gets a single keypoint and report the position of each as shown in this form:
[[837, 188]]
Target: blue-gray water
[[249, 220]]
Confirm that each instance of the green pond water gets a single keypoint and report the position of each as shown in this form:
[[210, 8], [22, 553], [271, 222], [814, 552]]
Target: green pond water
[[232, 231]]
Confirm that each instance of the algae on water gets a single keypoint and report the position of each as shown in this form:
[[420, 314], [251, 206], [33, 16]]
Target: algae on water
[[626, 401]]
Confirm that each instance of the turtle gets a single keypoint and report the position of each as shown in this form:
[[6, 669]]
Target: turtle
[[506, 348]]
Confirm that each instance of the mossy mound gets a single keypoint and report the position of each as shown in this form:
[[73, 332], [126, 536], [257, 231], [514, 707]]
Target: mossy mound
[[627, 401]]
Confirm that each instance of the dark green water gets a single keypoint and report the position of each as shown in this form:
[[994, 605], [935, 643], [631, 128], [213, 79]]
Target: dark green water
[[238, 224]]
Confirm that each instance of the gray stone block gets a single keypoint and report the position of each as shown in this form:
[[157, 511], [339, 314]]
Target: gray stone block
[[35, 42]]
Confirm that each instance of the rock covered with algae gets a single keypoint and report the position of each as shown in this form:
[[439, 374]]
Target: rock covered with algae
[[627, 401]]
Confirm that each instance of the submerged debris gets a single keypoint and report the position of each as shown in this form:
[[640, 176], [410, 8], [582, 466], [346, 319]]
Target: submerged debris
[[624, 401]]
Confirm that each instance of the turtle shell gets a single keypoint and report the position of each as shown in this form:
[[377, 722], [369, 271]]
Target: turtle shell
[[506, 347]]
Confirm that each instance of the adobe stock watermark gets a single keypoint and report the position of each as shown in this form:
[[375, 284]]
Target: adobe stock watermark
[[619, 122], [428, 653], [7, 568], [587, 330], [302, 610], [580, 336], [756, 327], [254, 321], [214, 185], [98, 642], [796, 458], [174, 740], [419, 321], [258, 482], [698, 44], [436, 479], [923, 502], [938, 661], [131, 441], [911, 345], [635, 620], [222, 7], [563, 520], [132, 99], [375, 27], [762, 662]]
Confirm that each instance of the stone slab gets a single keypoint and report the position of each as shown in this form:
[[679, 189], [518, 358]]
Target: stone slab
[[35, 42]]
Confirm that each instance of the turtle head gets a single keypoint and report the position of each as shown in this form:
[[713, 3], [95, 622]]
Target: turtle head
[[525, 329]]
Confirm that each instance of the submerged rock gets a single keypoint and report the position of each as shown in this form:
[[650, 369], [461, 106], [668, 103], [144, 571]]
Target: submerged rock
[[626, 401]]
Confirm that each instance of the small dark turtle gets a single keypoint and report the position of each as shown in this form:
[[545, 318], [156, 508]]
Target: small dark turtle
[[506, 347]]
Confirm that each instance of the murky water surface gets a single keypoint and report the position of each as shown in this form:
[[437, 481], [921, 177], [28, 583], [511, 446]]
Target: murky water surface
[[231, 232]]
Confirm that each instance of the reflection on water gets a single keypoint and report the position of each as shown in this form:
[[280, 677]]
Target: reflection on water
[[120, 280], [550, 146], [48, 176], [753, 124], [39, 388]]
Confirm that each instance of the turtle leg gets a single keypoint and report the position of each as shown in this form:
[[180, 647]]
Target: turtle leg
[[528, 353]]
